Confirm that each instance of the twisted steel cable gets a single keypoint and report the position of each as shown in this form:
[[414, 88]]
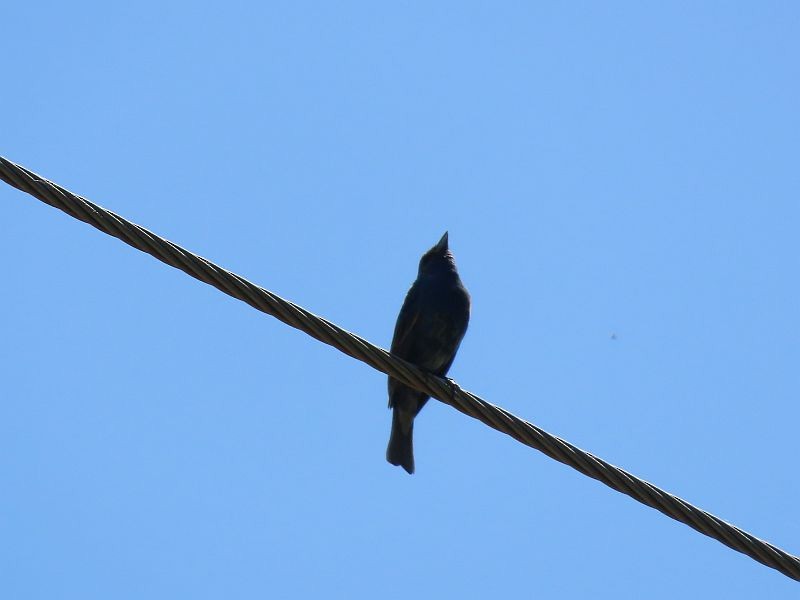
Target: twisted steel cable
[[443, 390]]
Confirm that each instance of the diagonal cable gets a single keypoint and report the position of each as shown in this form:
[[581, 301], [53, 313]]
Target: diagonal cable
[[441, 389]]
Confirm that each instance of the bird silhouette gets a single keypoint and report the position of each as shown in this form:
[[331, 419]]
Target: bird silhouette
[[429, 330]]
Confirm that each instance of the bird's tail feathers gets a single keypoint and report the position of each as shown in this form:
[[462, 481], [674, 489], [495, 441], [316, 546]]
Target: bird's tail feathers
[[400, 451]]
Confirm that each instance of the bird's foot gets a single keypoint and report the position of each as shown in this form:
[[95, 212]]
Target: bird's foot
[[454, 387]]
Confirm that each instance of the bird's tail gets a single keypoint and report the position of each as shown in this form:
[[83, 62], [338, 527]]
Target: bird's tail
[[400, 451]]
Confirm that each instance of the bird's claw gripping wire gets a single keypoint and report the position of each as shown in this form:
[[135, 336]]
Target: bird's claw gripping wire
[[454, 387]]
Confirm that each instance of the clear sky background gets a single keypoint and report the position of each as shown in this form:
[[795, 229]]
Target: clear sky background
[[620, 182]]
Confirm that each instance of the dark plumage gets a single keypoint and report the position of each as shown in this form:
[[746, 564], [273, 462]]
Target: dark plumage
[[429, 329]]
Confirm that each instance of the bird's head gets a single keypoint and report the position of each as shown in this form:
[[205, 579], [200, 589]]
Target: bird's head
[[438, 259]]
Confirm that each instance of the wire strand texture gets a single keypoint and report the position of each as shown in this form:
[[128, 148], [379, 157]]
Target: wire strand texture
[[442, 389]]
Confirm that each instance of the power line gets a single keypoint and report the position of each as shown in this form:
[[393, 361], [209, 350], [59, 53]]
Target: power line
[[442, 389]]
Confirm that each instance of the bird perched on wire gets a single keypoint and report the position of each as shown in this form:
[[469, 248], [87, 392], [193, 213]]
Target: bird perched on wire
[[429, 330]]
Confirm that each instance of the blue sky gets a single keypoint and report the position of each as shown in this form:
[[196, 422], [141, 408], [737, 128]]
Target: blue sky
[[620, 183]]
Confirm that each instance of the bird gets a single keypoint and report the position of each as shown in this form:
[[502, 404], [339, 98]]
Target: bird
[[431, 324]]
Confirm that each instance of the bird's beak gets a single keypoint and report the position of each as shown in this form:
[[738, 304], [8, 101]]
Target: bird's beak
[[441, 246]]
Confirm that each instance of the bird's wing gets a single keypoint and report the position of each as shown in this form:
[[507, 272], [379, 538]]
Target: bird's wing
[[403, 339], [406, 323]]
